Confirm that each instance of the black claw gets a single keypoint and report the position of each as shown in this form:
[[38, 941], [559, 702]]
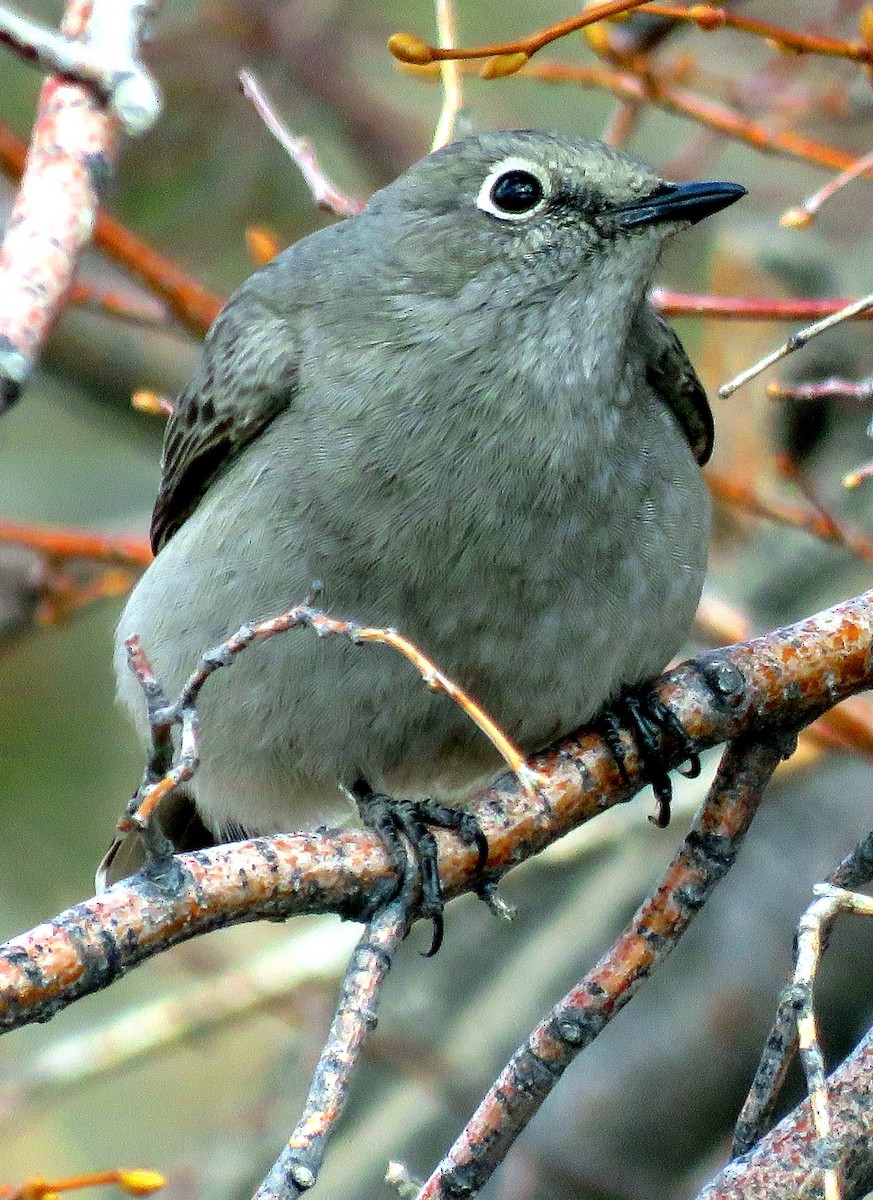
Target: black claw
[[663, 799], [436, 937], [693, 769], [404, 827], [650, 720], [482, 849], [462, 823]]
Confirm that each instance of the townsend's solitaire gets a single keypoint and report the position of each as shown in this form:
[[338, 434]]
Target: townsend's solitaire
[[459, 412]]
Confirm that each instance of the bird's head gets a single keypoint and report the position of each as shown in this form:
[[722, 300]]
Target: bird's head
[[548, 205]]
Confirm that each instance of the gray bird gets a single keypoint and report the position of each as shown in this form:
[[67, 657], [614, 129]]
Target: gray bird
[[459, 412]]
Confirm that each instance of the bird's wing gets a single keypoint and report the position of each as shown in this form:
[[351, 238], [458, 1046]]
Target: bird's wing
[[670, 373], [248, 375]]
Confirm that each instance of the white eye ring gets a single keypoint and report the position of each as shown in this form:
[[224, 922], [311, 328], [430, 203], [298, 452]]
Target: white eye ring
[[485, 200]]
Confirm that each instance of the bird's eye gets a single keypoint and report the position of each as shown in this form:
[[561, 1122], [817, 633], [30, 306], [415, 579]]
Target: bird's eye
[[513, 191], [516, 192]]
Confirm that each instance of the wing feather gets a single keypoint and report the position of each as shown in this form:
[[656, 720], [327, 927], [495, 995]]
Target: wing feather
[[671, 375], [247, 376]]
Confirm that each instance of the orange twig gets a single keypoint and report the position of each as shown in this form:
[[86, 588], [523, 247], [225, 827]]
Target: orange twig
[[795, 218], [437, 682], [411, 49], [77, 543], [709, 18], [134, 1183], [743, 496], [627, 84], [123, 308]]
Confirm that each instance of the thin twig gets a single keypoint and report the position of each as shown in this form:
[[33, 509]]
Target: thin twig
[[297, 1167], [450, 75], [409, 48], [647, 87], [854, 391], [746, 497], [134, 1183], [113, 304], [83, 544], [795, 218], [659, 90], [781, 1043], [796, 342], [184, 711], [706, 855], [106, 61], [709, 18], [748, 308], [623, 123], [324, 193]]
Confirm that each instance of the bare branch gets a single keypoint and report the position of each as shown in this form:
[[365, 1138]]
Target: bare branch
[[706, 855], [296, 1169], [796, 342], [193, 305], [779, 681], [784, 1162], [53, 217], [324, 193], [106, 61], [795, 1003]]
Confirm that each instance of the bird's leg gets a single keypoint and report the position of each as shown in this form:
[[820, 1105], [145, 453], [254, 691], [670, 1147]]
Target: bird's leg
[[404, 826], [649, 720]]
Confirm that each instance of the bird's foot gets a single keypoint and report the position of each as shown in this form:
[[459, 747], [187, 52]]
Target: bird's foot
[[650, 722], [404, 826]]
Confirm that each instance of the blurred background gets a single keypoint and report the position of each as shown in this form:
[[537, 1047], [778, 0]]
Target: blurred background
[[647, 1111]]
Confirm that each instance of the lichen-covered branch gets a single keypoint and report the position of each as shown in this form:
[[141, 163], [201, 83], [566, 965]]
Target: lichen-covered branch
[[106, 60], [705, 857], [777, 682], [72, 154]]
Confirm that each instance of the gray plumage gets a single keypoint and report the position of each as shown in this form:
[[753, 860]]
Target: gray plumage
[[468, 425]]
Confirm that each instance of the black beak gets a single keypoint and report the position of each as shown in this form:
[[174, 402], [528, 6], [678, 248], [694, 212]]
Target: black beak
[[677, 202]]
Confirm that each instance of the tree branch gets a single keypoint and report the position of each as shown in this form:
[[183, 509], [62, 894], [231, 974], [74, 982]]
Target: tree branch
[[777, 682], [72, 153]]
